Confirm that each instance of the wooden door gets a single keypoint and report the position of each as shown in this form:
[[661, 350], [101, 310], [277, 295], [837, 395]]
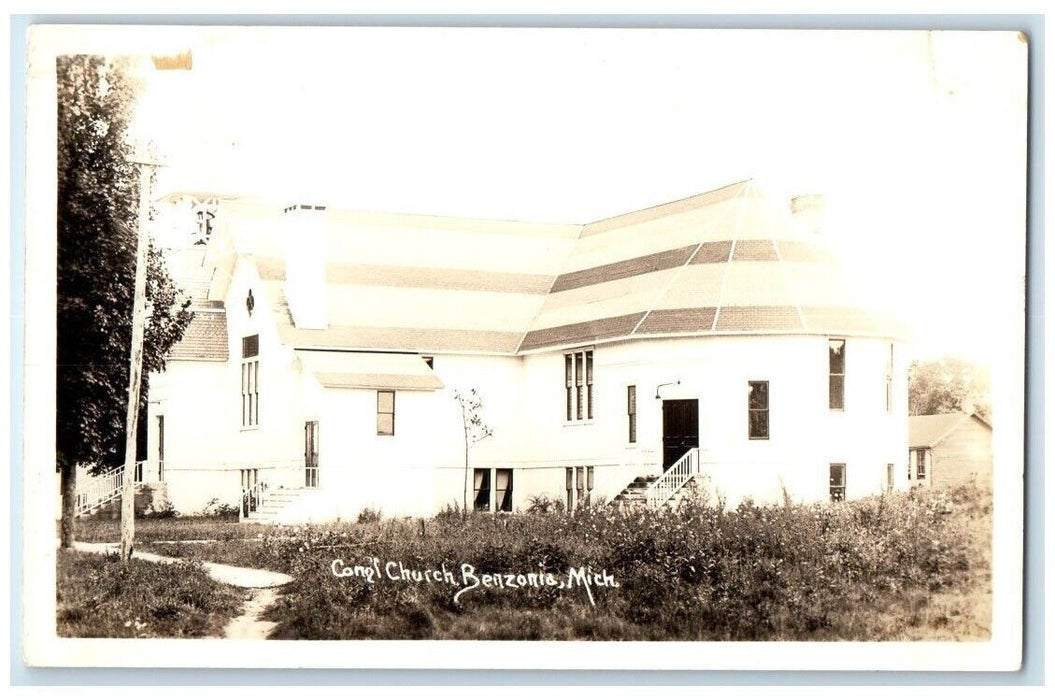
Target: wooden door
[[681, 429]]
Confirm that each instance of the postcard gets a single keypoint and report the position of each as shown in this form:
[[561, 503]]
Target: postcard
[[512, 347]]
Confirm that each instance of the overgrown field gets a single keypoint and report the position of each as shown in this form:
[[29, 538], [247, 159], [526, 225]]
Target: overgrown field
[[903, 566], [98, 596]]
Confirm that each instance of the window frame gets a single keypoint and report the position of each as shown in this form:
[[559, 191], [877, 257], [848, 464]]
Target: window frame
[[921, 464], [250, 378], [161, 446], [837, 491], [751, 410], [392, 413], [836, 378], [578, 487], [489, 486], [631, 413], [578, 386], [484, 487]]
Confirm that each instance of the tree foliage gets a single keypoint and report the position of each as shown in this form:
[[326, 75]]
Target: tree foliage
[[948, 385], [97, 206]]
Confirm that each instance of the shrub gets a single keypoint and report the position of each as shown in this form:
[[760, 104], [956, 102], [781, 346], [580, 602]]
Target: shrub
[[369, 515]]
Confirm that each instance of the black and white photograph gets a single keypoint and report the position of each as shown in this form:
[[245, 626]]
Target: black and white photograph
[[548, 336]]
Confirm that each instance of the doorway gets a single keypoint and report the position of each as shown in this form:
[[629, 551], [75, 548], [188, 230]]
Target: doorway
[[681, 429]]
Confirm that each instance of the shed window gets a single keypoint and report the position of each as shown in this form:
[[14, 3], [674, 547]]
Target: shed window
[[921, 464], [836, 373], [386, 413]]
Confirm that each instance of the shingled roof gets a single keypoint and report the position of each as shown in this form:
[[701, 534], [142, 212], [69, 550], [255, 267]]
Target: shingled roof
[[730, 261], [929, 431], [205, 338]]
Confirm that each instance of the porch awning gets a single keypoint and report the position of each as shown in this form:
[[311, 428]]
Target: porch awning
[[369, 370]]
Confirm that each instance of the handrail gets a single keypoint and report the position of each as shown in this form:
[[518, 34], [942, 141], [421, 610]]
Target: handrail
[[253, 499], [101, 489], [663, 488]]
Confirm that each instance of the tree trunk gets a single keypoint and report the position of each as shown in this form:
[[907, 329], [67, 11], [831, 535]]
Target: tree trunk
[[69, 501]]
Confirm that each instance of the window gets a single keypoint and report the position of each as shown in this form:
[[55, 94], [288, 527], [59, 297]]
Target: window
[[890, 380], [311, 454], [890, 477], [482, 489], [386, 413], [837, 481], [578, 484], [250, 381], [836, 373], [161, 448], [503, 490], [578, 385], [631, 412], [921, 464], [758, 410]]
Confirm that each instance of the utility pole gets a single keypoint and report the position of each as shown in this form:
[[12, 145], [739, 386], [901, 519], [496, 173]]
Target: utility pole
[[147, 165], [135, 375]]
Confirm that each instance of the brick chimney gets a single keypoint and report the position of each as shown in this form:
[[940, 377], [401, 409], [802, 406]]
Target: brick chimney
[[808, 212], [306, 253]]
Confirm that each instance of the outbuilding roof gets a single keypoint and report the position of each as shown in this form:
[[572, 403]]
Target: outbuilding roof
[[929, 431]]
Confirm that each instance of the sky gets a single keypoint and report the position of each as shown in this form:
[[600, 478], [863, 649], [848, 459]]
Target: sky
[[916, 139]]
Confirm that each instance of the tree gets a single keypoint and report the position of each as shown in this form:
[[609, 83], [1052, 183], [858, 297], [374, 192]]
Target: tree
[[474, 430], [948, 385], [97, 206]]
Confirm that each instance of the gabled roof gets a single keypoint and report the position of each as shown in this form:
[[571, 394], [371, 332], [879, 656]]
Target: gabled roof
[[929, 431], [729, 261], [205, 338]]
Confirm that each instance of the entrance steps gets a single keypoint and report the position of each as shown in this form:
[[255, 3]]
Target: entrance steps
[[633, 496]]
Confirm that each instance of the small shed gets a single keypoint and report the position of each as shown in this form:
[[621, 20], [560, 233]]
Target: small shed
[[950, 449]]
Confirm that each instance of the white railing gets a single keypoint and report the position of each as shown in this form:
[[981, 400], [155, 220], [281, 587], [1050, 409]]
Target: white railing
[[661, 490], [93, 492], [253, 499]]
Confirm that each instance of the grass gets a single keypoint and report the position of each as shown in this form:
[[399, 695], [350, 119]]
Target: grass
[[898, 567], [155, 529], [98, 596]]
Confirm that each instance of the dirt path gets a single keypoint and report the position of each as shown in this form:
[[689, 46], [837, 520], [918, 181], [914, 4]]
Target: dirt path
[[248, 625], [262, 583]]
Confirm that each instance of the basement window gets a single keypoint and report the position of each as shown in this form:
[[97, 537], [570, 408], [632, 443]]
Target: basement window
[[837, 482], [578, 482], [502, 490]]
